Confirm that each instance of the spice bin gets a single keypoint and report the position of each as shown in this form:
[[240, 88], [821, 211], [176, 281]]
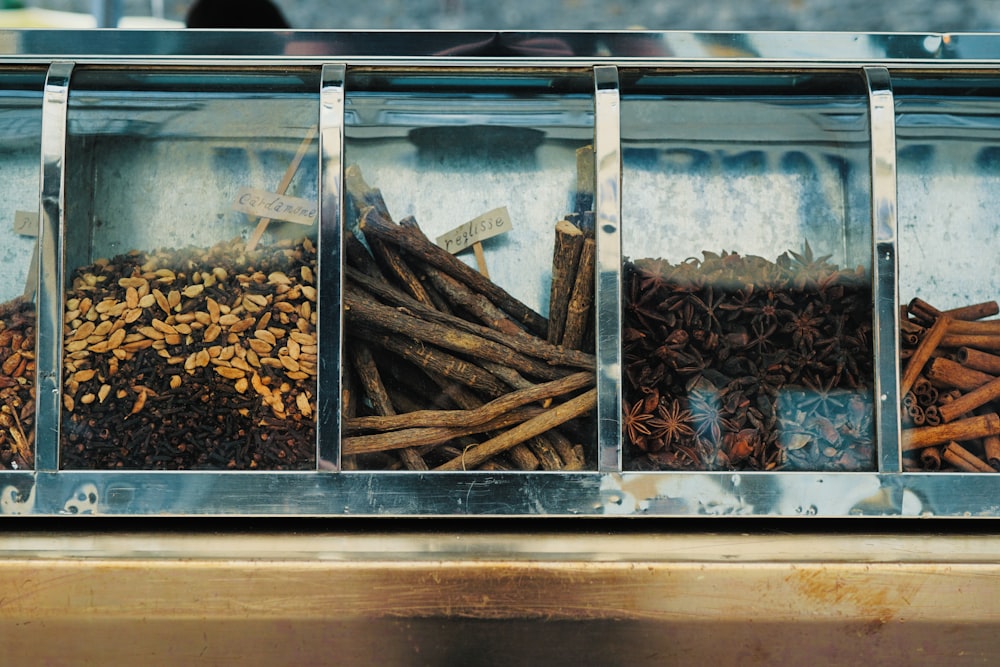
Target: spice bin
[[520, 274]]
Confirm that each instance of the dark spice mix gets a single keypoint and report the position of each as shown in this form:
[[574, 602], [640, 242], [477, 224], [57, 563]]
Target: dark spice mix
[[740, 363]]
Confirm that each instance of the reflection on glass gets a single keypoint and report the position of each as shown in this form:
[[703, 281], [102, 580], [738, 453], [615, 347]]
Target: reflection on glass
[[948, 172], [458, 357], [747, 323], [191, 287], [20, 146]]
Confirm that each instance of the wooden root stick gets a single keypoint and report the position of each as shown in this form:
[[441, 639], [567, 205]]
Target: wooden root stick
[[546, 421], [474, 417], [416, 244], [521, 342], [432, 435], [359, 309]]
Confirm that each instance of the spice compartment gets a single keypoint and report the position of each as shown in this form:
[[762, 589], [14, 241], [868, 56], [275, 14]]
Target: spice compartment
[[747, 310]]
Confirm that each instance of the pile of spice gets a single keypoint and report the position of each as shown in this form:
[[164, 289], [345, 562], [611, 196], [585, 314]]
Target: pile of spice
[[193, 358], [740, 363], [444, 369], [17, 385], [949, 387]]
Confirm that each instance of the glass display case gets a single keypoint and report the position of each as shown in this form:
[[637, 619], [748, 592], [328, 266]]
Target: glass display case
[[642, 274]]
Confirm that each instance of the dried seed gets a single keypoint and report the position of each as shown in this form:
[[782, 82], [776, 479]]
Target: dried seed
[[192, 291], [296, 375], [151, 332], [202, 357], [161, 301], [85, 330], [211, 333], [84, 375], [259, 346], [309, 292], [307, 275], [132, 297], [230, 373], [103, 392], [284, 307], [115, 339], [163, 327], [87, 399], [220, 274], [132, 283], [289, 363], [68, 402], [172, 339], [132, 315], [242, 325], [11, 363], [146, 301], [175, 381], [265, 336], [228, 319], [278, 278], [302, 402], [228, 352], [173, 299], [140, 402], [241, 385]]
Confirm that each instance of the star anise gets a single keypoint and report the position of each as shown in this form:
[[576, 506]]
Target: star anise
[[636, 423], [672, 424]]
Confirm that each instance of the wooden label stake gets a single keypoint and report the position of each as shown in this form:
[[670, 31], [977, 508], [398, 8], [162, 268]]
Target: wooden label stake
[[286, 180]]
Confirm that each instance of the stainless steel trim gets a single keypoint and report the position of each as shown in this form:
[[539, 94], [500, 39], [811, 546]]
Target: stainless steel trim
[[886, 269], [49, 309], [608, 213], [330, 322]]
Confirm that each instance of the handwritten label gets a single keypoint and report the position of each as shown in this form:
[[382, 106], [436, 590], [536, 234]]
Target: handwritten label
[[264, 204], [26, 223], [486, 226]]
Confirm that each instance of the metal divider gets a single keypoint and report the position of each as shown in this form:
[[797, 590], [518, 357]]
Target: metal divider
[[49, 327], [330, 318], [608, 209], [886, 267]]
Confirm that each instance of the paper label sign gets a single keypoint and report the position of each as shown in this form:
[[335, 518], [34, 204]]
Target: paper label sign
[[264, 204], [486, 226], [26, 223]]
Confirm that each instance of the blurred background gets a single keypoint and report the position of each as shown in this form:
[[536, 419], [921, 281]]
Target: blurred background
[[727, 15]]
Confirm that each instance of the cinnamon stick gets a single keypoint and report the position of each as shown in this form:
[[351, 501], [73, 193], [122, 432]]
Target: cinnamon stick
[[549, 419], [978, 360], [991, 446], [565, 257], [975, 311], [930, 458], [970, 401], [977, 341], [963, 459], [948, 373], [922, 354], [961, 430]]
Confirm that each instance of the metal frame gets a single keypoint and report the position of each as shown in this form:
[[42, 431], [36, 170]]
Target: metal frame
[[608, 491]]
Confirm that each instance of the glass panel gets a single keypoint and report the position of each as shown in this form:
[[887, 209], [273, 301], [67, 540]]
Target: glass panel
[[747, 323], [452, 362], [190, 338], [948, 149], [20, 150]]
